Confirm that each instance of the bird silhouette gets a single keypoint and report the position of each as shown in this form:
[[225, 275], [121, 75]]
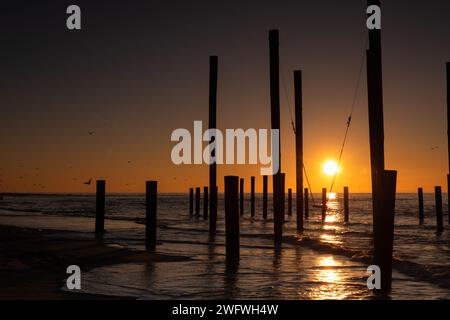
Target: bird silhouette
[[88, 183], [91, 133]]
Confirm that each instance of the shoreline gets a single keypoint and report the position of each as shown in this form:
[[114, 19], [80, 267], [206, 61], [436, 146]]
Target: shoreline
[[33, 263]]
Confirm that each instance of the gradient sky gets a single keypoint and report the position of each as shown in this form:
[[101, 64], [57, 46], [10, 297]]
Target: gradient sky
[[139, 69]]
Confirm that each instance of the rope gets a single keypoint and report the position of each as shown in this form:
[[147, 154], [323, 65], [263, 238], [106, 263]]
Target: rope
[[349, 121]]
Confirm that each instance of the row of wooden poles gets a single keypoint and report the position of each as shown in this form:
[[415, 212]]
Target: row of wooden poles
[[234, 207], [194, 202], [438, 208]]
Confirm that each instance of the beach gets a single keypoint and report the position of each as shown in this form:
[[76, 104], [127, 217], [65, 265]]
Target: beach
[[43, 234]]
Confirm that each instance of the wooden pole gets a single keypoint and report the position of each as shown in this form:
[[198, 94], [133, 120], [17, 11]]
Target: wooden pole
[[231, 220], [306, 198], [197, 201], [283, 196], [275, 119], [150, 214], [299, 147], [100, 207], [252, 196], [324, 203], [191, 201], [241, 196], [439, 218], [421, 213], [205, 202], [383, 182], [265, 189], [213, 70], [448, 137], [385, 223], [290, 202], [346, 209]]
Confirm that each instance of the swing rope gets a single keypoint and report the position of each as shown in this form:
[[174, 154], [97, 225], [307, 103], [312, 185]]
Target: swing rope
[[349, 121]]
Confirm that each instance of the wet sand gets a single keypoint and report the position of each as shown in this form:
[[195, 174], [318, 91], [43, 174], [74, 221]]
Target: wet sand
[[33, 262]]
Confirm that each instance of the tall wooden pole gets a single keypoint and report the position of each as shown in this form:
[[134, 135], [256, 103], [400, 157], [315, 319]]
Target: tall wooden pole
[[299, 147], [448, 135], [213, 69], [383, 182], [275, 119]]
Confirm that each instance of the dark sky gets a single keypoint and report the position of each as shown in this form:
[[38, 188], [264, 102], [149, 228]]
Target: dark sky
[[139, 69]]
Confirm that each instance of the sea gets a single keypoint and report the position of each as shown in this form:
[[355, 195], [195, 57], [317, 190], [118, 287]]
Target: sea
[[329, 261]]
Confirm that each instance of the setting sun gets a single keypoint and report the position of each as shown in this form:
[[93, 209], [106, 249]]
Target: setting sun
[[330, 168]]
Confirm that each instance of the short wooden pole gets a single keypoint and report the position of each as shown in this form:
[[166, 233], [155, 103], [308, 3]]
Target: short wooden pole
[[439, 218], [231, 220], [241, 197], [197, 201], [448, 197], [191, 201], [346, 209], [150, 214], [421, 212], [252, 196], [324, 203], [283, 195], [290, 202], [100, 207], [277, 210], [205, 202], [306, 199], [265, 190]]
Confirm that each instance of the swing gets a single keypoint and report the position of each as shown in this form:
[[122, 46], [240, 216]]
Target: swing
[[349, 121]]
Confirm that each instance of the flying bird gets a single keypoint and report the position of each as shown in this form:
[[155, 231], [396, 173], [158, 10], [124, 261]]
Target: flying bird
[[91, 133]]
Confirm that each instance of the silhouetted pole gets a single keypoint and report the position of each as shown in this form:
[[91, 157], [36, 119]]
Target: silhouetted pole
[[421, 215], [150, 214], [306, 198], [191, 201], [439, 219], [241, 196], [100, 207], [448, 136], [299, 147], [252, 196], [383, 182], [290, 202], [283, 195], [197, 201], [265, 189], [213, 70], [231, 220], [346, 209], [324, 203], [275, 119], [205, 202]]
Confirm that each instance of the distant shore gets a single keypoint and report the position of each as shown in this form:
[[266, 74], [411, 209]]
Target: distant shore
[[33, 262]]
